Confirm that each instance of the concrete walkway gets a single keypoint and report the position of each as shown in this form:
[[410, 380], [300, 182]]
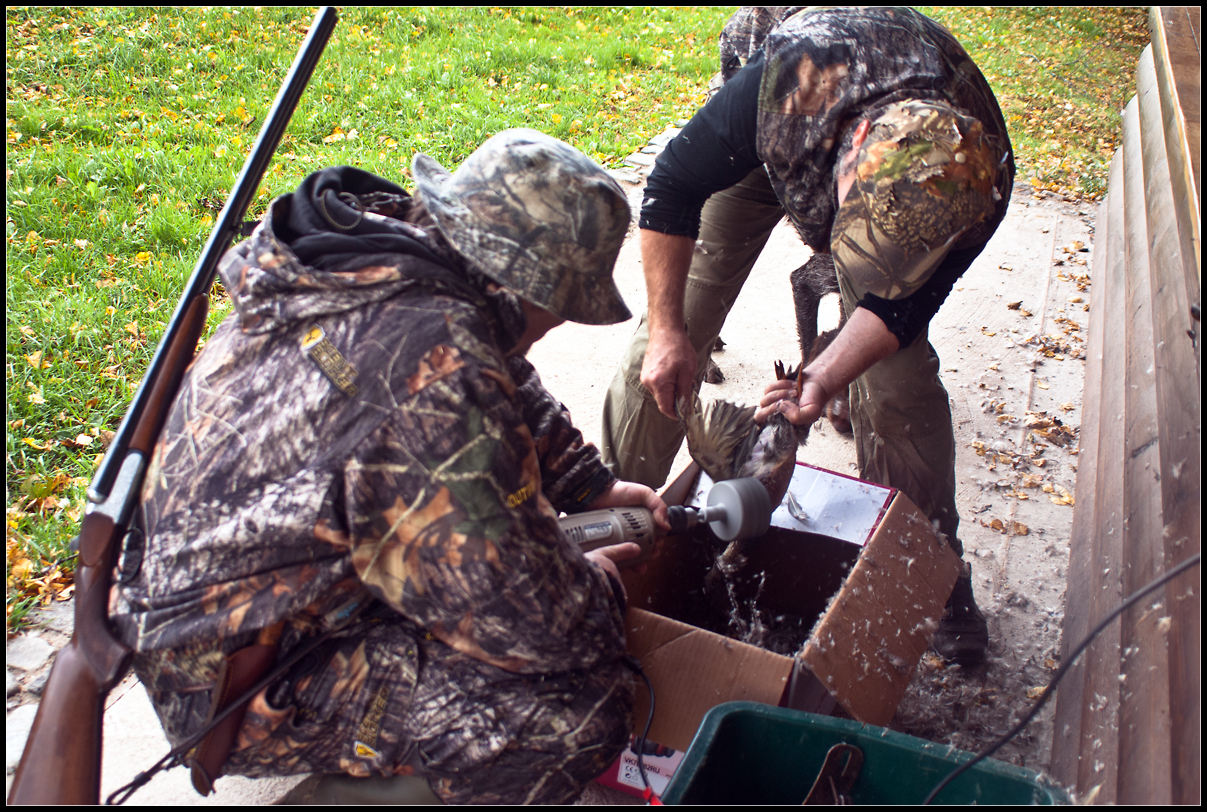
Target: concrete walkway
[[1008, 338]]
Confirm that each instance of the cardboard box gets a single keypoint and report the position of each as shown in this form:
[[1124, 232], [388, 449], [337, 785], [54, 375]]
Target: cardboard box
[[865, 560]]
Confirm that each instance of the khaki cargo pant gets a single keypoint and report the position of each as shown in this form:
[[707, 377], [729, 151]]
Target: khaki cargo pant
[[900, 410]]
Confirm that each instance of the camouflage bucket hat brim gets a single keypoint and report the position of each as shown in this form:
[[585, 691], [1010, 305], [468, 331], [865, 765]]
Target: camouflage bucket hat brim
[[538, 217], [925, 176]]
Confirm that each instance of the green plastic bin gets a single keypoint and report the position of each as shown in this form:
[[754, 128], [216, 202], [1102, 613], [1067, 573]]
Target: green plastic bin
[[749, 753]]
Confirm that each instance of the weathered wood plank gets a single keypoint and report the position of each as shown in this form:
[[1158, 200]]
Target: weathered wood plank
[[1175, 285], [1078, 593], [1176, 34], [1098, 745], [1144, 723]]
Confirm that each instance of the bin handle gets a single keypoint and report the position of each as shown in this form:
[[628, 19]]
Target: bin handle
[[834, 782]]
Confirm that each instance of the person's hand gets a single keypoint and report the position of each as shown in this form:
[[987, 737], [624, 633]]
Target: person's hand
[[608, 557], [801, 408], [633, 494], [669, 368]]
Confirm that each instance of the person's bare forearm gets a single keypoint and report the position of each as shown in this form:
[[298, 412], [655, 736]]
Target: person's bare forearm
[[669, 366], [863, 341], [665, 260]]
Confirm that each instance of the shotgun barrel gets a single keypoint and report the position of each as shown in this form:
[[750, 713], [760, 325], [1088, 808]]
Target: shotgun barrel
[[61, 763]]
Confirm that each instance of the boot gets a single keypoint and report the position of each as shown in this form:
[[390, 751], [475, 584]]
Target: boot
[[963, 635]]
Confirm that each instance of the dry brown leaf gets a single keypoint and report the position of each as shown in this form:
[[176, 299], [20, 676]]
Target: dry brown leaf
[[1018, 528], [1061, 496], [1014, 305]]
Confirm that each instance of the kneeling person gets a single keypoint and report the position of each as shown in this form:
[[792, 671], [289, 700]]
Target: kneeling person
[[362, 462]]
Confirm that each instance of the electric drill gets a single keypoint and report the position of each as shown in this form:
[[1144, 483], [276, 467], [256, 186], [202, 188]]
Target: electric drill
[[737, 509]]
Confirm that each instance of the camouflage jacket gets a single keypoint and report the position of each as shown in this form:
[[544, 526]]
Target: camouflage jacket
[[826, 68], [364, 426]]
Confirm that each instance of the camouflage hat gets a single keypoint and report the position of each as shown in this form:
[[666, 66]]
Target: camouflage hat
[[538, 217], [925, 175]]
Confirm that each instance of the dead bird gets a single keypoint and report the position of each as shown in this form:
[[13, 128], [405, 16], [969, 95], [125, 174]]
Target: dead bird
[[724, 440]]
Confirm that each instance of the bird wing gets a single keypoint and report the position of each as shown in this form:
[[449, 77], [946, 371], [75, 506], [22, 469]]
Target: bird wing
[[718, 436]]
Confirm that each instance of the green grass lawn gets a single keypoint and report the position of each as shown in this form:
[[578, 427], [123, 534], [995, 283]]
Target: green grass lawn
[[126, 127]]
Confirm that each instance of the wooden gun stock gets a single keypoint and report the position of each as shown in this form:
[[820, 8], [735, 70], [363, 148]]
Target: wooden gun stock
[[61, 763]]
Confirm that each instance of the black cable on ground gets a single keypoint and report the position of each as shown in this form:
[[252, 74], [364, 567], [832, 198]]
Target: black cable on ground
[[1064, 668]]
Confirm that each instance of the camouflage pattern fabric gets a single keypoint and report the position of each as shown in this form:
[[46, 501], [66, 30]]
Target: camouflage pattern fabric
[[924, 177], [826, 69], [537, 216], [744, 33], [363, 433]]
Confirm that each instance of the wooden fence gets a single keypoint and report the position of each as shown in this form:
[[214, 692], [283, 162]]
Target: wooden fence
[[1128, 716]]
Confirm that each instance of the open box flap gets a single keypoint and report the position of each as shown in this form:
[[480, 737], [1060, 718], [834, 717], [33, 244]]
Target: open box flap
[[693, 670], [866, 646]]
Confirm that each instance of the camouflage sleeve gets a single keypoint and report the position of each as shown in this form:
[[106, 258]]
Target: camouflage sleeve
[[572, 473], [449, 524]]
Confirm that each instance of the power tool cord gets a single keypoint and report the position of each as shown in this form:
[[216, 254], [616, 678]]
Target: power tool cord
[[635, 666], [1064, 669]]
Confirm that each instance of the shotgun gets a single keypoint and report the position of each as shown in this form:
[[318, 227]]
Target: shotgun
[[61, 763]]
